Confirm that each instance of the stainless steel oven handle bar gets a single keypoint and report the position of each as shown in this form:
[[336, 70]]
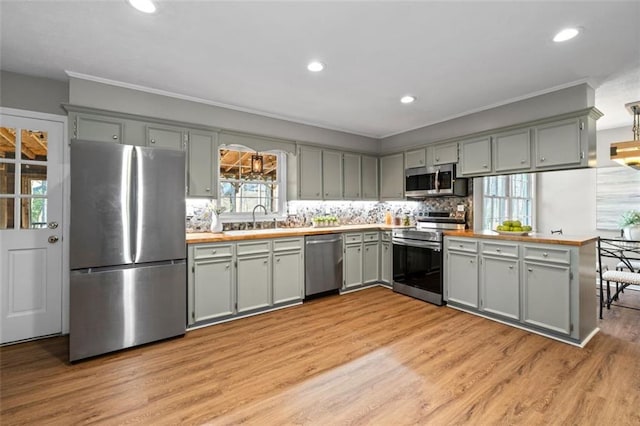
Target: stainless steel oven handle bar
[[417, 243]]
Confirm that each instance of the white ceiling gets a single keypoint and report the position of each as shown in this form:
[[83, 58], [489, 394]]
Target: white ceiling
[[456, 57]]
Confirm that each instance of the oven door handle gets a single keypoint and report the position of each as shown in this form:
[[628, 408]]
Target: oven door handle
[[415, 243]]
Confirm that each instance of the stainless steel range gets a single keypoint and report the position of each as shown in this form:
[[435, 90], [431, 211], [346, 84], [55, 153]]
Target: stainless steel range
[[417, 255]]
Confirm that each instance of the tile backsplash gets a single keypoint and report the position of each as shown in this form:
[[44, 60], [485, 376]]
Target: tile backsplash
[[301, 213]]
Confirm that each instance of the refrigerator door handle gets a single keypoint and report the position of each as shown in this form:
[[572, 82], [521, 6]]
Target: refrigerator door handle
[[134, 189]]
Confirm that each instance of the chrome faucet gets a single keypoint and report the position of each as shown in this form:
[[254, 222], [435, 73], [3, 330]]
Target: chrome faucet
[[254, 213]]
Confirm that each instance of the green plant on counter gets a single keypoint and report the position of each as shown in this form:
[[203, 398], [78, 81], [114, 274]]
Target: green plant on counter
[[325, 221], [630, 218]]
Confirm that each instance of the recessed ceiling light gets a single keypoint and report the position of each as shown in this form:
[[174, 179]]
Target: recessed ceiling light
[[145, 6], [407, 99], [566, 34], [315, 66]]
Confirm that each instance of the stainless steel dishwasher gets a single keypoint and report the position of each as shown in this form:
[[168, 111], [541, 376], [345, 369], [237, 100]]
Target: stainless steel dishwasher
[[323, 263]]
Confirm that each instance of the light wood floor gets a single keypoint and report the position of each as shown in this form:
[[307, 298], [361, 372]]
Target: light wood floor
[[370, 357]]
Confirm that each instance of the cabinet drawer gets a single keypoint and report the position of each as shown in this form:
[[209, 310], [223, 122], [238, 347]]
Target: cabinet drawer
[[547, 254], [352, 238], [470, 246], [385, 236], [500, 249], [288, 244], [253, 247], [370, 236], [212, 250]]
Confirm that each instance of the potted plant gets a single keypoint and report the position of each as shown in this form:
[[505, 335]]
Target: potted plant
[[630, 224]]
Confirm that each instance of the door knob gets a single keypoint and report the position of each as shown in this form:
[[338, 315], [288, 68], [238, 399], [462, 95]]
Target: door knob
[[53, 225], [53, 239]]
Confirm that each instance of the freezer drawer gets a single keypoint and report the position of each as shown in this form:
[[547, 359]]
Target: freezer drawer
[[120, 308]]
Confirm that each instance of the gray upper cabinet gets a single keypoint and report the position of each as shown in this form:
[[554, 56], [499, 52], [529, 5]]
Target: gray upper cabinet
[[202, 167], [332, 175], [446, 153], [559, 144], [512, 151], [392, 177], [415, 158], [97, 128], [369, 178], [351, 166], [475, 156], [167, 137], [310, 173]]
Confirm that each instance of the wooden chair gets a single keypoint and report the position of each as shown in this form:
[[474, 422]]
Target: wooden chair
[[627, 270]]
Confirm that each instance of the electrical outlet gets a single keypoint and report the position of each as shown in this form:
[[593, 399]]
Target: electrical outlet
[[460, 207]]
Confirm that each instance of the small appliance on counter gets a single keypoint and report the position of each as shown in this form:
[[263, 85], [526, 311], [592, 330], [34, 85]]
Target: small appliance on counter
[[417, 255]]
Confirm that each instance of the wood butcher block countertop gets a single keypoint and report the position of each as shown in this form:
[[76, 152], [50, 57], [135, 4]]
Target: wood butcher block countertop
[[209, 237], [567, 240]]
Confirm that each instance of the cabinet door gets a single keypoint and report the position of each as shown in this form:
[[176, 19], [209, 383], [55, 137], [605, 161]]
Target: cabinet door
[[166, 137], [97, 128], [385, 263], [370, 262], [392, 177], [254, 282], [352, 265], [445, 153], [202, 167], [512, 151], [213, 289], [288, 276], [369, 178], [352, 176], [558, 144], [475, 157], [462, 280], [415, 158], [310, 173], [546, 300], [332, 175], [500, 287]]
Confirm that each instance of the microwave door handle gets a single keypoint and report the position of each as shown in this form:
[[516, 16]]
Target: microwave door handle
[[437, 180]]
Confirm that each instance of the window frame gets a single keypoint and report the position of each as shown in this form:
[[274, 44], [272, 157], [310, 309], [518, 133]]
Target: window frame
[[281, 181], [479, 198]]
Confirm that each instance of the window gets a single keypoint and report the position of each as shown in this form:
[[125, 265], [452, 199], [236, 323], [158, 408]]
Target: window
[[508, 197], [242, 189]]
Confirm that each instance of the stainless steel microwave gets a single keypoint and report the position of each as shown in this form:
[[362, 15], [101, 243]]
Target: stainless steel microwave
[[434, 181]]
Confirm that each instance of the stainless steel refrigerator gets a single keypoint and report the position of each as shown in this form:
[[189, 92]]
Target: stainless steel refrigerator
[[127, 248]]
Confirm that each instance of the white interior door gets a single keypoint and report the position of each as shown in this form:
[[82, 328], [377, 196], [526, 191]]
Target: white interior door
[[31, 205]]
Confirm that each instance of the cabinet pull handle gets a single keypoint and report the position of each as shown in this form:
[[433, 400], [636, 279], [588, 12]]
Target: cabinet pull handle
[[153, 141], [460, 245], [265, 262], [213, 251], [510, 266], [437, 158], [471, 261], [115, 137], [207, 189], [278, 260], [542, 159], [498, 250], [530, 269], [485, 166], [522, 161], [226, 266], [545, 254]]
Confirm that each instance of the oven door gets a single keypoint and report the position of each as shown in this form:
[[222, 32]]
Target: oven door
[[417, 269]]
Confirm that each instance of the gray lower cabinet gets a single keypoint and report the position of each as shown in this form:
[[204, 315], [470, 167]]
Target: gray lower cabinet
[[352, 265], [462, 278], [546, 288], [211, 282], [288, 270], [546, 301], [385, 262], [370, 262], [230, 280], [499, 280]]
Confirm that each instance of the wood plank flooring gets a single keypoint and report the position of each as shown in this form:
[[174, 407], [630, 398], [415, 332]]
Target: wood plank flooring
[[369, 357]]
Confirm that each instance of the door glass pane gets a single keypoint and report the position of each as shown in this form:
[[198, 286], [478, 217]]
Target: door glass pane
[[7, 142], [33, 213], [33, 179], [34, 145], [7, 178], [6, 213]]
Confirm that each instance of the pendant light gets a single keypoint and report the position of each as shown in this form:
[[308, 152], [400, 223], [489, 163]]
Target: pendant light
[[257, 164], [628, 153]]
